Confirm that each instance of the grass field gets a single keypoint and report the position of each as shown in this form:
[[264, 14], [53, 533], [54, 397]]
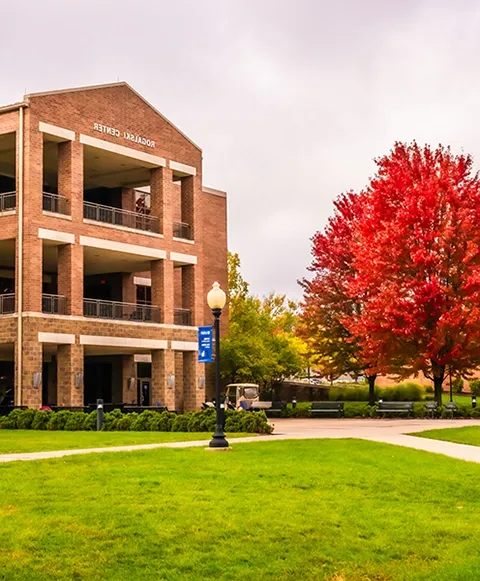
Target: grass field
[[336, 510], [37, 441], [468, 435]]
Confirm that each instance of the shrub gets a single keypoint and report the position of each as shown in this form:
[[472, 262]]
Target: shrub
[[359, 409], [124, 424], [475, 387], [58, 420], [90, 423], [41, 419], [143, 422], [180, 422], [429, 389], [110, 420], [75, 422], [25, 419], [354, 393], [407, 391]]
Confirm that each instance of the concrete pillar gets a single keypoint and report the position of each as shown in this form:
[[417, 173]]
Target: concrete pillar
[[70, 177], [128, 371], [163, 366], [70, 359], [162, 288], [32, 352], [193, 396], [70, 277], [129, 290]]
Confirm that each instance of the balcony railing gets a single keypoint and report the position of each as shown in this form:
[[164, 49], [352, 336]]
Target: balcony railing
[[121, 311], [55, 203], [119, 217], [8, 201], [182, 230], [182, 317], [7, 304], [54, 304]]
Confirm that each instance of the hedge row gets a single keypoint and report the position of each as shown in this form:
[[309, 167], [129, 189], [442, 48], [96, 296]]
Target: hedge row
[[147, 421], [407, 391], [360, 409]]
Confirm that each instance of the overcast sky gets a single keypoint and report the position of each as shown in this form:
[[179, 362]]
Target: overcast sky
[[289, 99]]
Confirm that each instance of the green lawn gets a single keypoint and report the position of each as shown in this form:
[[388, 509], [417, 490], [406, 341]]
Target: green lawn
[[336, 510], [38, 441], [467, 435]]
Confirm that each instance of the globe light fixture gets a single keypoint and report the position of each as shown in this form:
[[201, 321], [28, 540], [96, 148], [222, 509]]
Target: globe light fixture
[[216, 299]]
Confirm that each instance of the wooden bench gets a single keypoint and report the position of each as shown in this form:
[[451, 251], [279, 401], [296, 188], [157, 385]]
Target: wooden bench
[[395, 407], [277, 410], [328, 407], [431, 408], [451, 408]]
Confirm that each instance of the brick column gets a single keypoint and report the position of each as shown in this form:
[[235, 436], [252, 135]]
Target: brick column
[[188, 203], [193, 296], [70, 277], [32, 273], [193, 396], [70, 360], [70, 176], [128, 371], [129, 290], [161, 188], [128, 199], [32, 363], [163, 365], [162, 288]]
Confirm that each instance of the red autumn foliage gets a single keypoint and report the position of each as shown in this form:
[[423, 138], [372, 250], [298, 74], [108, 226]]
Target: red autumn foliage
[[327, 299], [416, 262]]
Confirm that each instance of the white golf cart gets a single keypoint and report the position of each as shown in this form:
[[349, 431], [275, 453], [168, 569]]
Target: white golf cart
[[245, 396]]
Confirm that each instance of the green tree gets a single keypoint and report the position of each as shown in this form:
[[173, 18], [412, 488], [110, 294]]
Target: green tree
[[261, 345]]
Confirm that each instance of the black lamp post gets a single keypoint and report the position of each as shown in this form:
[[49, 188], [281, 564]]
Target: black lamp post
[[216, 300]]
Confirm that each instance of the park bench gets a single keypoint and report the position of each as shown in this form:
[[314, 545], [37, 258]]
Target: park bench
[[431, 408], [328, 407], [395, 407], [277, 410], [451, 408]]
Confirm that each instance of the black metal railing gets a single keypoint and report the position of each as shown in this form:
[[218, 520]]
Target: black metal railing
[[121, 311], [119, 217], [54, 304], [182, 317], [7, 303], [182, 230], [8, 201], [55, 203]]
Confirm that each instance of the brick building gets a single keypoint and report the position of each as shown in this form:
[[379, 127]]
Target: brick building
[[108, 245]]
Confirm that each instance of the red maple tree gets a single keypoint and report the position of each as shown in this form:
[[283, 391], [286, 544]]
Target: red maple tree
[[416, 264], [328, 301]]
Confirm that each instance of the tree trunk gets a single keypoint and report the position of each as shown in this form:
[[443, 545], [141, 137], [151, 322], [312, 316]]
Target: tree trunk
[[438, 377], [371, 388]]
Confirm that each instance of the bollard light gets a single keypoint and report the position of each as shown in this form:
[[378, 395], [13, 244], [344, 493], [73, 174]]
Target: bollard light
[[474, 401], [294, 403]]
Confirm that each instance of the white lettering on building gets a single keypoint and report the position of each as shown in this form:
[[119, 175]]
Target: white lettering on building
[[126, 135]]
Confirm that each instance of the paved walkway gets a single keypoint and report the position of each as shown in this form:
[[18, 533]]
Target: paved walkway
[[377, 430]]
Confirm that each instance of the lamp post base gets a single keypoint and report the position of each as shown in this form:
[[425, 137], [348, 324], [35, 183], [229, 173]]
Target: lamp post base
[[218, 441]]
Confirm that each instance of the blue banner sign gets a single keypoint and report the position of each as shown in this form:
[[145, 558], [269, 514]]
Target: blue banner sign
[[205, 351]]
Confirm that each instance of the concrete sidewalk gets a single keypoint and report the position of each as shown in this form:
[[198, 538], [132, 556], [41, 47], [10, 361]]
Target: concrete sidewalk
[[376, 430]]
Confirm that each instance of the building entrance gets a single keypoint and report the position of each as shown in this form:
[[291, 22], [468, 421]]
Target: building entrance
[[143, 391]]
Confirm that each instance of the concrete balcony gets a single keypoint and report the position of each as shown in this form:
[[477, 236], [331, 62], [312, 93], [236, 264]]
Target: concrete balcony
[[100, 309], [119, 217]]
